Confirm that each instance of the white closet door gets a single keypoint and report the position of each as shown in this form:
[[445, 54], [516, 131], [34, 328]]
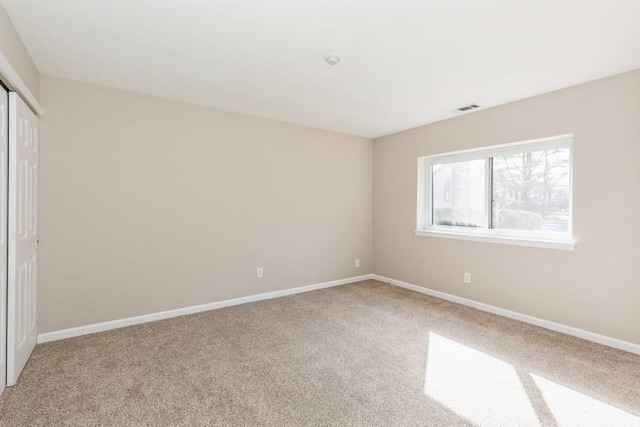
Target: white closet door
[[4, 145], [22, 235]]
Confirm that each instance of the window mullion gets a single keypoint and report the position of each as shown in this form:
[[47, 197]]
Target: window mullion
[[489, 181], [431, 202]]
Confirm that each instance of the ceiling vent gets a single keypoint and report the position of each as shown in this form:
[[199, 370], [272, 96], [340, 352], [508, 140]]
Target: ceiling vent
[[467, 108]]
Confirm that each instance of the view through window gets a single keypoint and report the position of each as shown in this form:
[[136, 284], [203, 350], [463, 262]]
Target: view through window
[[515, 190]]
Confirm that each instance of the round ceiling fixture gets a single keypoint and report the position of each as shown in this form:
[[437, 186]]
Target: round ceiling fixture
[[332, 59]]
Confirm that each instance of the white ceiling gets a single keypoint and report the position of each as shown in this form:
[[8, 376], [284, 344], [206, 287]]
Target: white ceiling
[[404, 62]]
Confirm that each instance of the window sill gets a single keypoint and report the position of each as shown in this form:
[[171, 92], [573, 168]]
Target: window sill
[[566, 245]]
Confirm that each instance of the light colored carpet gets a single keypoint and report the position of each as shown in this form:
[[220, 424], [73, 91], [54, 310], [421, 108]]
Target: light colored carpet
[[365, 354]]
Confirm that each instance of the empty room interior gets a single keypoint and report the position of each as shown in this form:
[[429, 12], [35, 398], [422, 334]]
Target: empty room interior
[[337, 213]]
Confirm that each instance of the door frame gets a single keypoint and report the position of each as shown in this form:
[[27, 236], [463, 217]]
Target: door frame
[[4, 202]]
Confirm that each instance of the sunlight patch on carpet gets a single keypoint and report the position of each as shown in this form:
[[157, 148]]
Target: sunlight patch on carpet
[[481, 388], [488, 391], [572, 408]]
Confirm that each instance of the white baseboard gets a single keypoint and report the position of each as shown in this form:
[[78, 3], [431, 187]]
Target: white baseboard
[[129, 321], [558, 327]]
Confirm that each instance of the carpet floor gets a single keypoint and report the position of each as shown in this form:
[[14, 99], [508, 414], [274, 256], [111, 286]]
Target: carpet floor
[[364, 354]]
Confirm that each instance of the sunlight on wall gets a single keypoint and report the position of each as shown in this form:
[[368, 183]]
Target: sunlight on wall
[[481, 388], [571, 408], [488, 392]]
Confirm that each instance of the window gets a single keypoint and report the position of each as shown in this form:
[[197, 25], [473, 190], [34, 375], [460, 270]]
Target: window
[[516, 193]]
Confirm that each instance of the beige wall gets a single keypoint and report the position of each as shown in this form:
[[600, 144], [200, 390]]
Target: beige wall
[[597, 286], [149, 205], [16, 53]]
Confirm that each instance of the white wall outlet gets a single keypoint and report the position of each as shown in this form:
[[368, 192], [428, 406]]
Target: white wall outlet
[[467, 277], [259, 272], [357, 262]]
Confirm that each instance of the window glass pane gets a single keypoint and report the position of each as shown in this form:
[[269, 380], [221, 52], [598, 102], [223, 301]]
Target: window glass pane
[[531, 191], [459, 194]]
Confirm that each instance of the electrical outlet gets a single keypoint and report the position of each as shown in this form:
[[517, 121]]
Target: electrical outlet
[[467, 278], [260, 272], [357, 262]]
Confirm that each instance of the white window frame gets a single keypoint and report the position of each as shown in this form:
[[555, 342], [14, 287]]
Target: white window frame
[[425, 226]]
